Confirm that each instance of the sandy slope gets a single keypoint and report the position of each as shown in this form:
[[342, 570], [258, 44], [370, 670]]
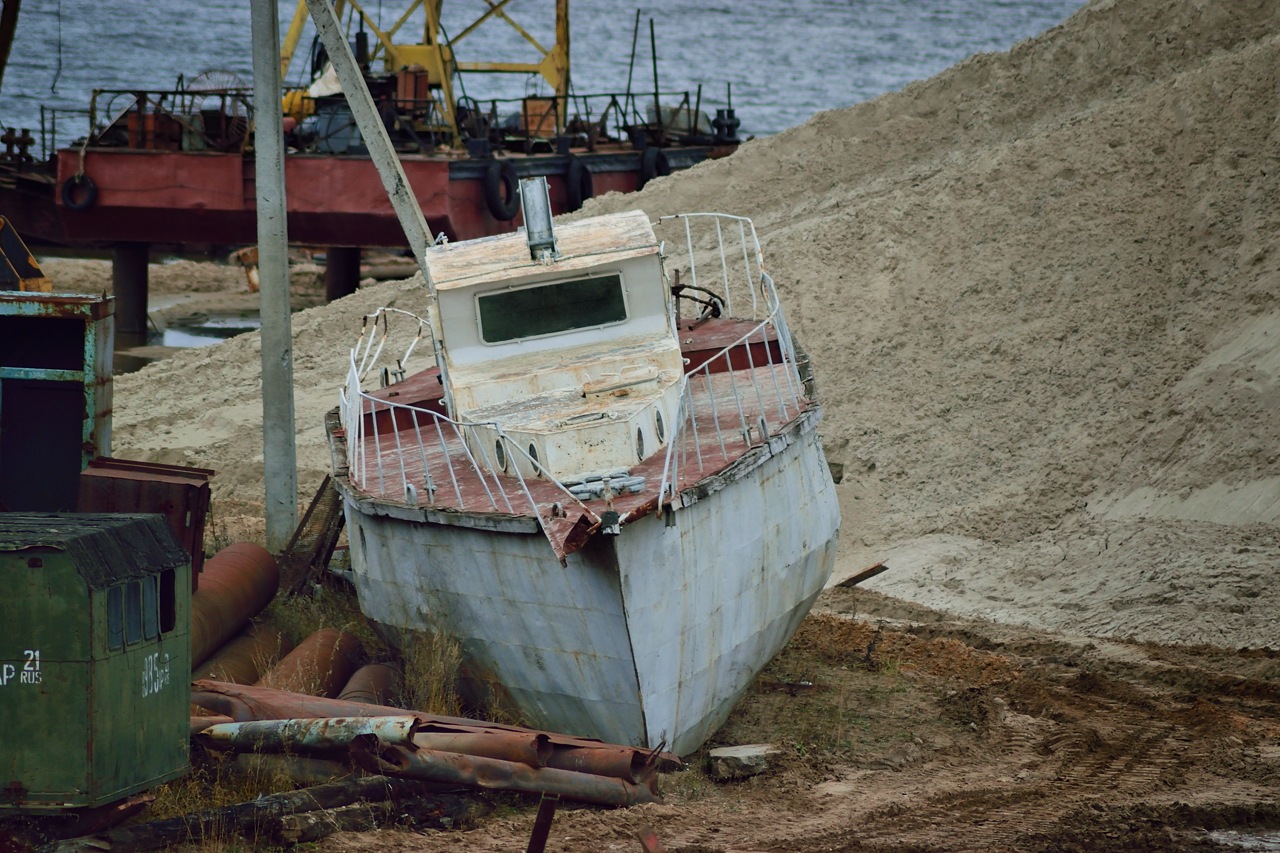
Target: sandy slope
[[1042, 293]]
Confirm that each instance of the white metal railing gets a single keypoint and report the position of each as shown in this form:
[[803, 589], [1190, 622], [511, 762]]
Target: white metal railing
[[400, 459], [758, 396], [736, 398]]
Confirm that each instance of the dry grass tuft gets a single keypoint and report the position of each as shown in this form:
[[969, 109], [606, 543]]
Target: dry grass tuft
[[431, 663]]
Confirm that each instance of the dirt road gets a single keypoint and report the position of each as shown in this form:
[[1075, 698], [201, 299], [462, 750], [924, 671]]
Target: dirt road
[[959, 735]]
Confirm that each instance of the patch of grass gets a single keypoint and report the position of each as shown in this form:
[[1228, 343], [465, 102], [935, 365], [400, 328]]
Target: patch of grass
[[431, 662], [298, 617], [840, 693], [688, 785], [216, 780]]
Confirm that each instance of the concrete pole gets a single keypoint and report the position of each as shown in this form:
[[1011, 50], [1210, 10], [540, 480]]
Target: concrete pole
[[129, 283], [278, 450]]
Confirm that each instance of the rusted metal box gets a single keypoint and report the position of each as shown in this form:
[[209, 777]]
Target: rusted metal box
[[55, 395], [95, 652], [180, 493]]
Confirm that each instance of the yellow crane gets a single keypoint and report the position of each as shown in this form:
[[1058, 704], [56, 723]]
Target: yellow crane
[[432, 57]]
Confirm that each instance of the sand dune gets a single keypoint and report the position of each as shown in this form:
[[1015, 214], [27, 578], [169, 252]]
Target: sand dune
[[1042, 293]]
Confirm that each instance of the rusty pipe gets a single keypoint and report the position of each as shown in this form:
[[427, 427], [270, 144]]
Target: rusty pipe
[[237, 583], [534, 750], [319, 666], [372, 684], [246, 657], [199, 724], [330, 734], [244, 702], [455, 769]]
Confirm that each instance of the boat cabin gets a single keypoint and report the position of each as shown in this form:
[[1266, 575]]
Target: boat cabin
[[568, 350]]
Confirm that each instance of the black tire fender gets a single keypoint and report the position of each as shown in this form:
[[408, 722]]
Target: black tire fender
[[502, 190], [578, 186], [79, 192], [653, 164]]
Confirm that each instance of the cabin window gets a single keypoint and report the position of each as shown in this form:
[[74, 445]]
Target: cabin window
[[132, 612], [549, 309], [150, 608], [168, 601], [115, 618]]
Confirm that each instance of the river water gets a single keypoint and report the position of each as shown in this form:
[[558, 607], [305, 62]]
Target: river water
[[782, 61]]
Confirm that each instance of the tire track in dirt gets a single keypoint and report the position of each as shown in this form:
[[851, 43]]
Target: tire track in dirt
[[1066, 740]]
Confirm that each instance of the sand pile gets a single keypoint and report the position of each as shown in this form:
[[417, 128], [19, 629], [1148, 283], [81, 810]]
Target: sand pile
[[1042, 293]]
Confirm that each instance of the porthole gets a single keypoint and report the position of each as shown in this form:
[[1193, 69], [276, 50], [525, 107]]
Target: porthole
[[533, 454], [659, 428], [639, 444], [501, 454]]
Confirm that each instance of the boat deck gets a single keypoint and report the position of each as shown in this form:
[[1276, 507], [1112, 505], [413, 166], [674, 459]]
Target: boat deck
[[735, 400]]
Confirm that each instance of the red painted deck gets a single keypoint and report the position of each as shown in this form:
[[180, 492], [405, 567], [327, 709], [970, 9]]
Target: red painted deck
[[727, 405]]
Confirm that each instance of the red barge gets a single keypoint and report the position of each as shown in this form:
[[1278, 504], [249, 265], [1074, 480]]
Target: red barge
[[173, 170]]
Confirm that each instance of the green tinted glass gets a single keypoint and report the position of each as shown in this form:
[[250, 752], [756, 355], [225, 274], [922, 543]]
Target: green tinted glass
[[551, 308]]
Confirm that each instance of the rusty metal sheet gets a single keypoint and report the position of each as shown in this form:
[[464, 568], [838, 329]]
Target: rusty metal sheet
[[181, 494]]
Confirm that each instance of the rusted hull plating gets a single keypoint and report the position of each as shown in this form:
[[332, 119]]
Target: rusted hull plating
[[645, 638]]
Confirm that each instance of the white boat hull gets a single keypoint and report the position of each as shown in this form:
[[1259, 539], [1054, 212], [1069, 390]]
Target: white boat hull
[[649, 637]]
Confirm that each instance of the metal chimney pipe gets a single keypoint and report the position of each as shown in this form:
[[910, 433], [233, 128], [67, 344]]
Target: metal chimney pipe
[[535, 200]]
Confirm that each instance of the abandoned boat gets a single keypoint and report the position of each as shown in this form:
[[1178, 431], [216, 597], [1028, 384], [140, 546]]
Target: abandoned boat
[[618, 506]]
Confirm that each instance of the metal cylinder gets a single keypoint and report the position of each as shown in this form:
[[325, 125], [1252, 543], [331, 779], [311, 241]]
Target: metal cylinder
[[324, 734], [373, 684], [236, 585], [454, 769], [243, 660], [319, 666]]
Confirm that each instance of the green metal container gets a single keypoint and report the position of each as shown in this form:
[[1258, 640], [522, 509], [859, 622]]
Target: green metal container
[[94, 659]]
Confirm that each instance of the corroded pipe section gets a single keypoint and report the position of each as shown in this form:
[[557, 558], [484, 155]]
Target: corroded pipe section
[[244, 703], [326, 734], [372, 684], [455, 769], [246, 657], [235, 586], [534, 750], [319, 666]]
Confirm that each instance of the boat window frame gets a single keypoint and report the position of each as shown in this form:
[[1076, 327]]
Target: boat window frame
[[581, 276]]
